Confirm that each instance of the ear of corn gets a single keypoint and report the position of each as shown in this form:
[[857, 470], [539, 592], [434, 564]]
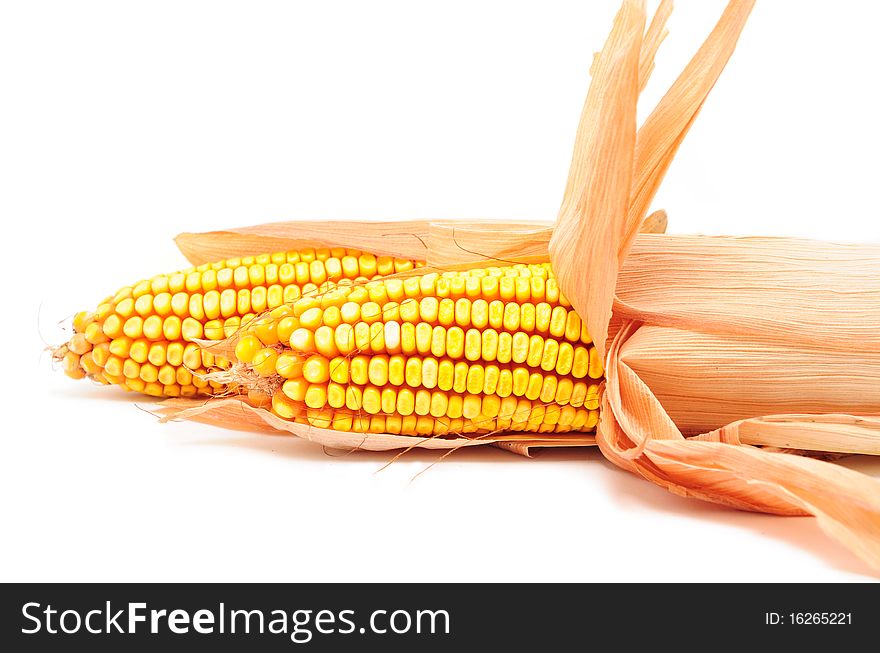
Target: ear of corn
[[143, 338], [490, 352], [479, 351]]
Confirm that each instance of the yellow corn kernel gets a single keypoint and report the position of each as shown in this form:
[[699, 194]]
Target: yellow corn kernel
[[88, 364], [157, 353], [120, 346], [214, 330], [302, 340], [285, 328], [519, 381], [459, 377], [595, 369], [295, 389], [263, 362], [405, 401], [170, 328], [325, 341], [536, 351], [191, 329], [246, 348], [315, 396], [81, 320], [95, 335], [549, 355], [581, 363], [113, 365], [284, 407], [504, 386], [316, 369], [288, 366]]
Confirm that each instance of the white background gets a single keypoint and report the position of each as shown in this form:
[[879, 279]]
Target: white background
[[122, 124]]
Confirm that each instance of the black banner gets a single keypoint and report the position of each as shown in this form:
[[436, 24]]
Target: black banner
[[319, 617]]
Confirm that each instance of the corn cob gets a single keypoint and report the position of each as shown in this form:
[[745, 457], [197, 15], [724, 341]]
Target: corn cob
[[476, 351], [144, 337], [501, 350]]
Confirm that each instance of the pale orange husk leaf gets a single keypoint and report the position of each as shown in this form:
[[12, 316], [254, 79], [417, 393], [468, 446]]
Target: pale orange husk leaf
[[234, 412], [656, 223], [803, 292], [604, 204], [443, 244], [664, 130], [475, 243], [836, 433], [591, 220], [402, 239], [706, 380], [636, 433], [653, 38]]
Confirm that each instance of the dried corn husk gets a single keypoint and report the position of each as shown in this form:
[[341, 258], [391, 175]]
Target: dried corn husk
[[232, 412], [732, 341], [405, 239], [786, 293], [705, 381]]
